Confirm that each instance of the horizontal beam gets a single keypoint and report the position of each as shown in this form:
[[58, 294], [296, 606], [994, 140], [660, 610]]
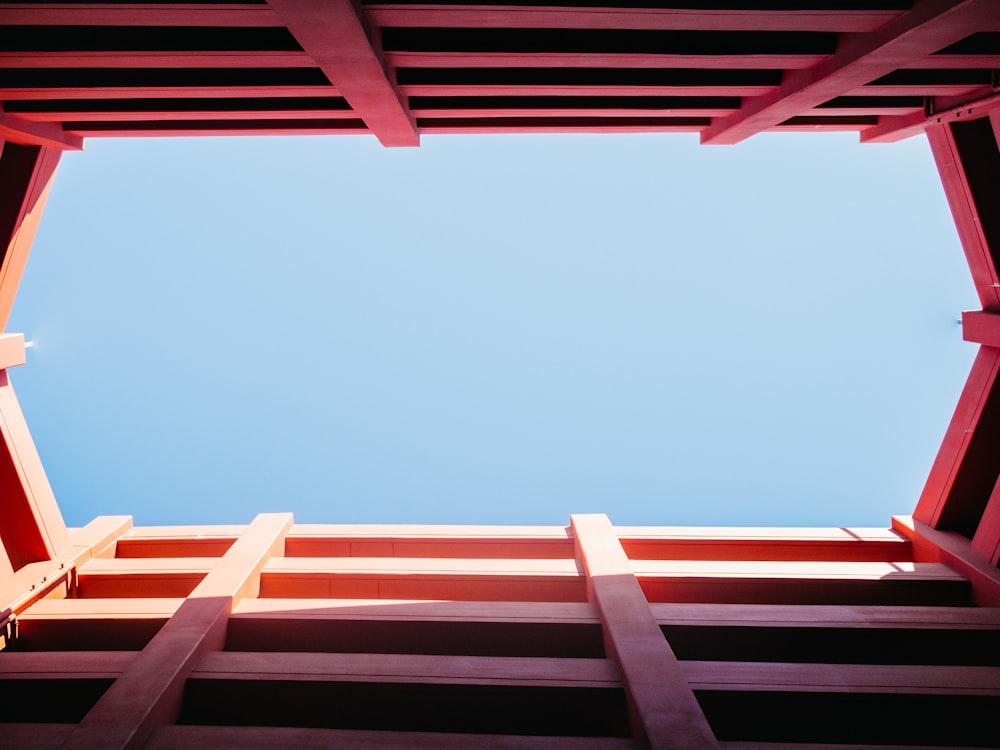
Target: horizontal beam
[[708, 543], [280, 738], [403, 59], [16, 129], [32, 93], [981, 327], [205, 128], [861, 58], [955, 551], [420, 578], [118, 14], [892, 129], [11, 349], [897, 679], [409, 668], [148, 59]]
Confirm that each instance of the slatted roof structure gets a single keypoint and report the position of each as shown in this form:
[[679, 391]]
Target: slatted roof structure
[[726, 70], [276, 634]]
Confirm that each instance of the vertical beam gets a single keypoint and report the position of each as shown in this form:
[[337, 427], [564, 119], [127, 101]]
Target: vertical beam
[[33, 528], [334, 34], [149, 692], [662, 703], [25, 177]]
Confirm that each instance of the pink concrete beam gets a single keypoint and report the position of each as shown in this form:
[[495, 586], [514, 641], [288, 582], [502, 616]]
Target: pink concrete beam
[[660, 698], [860, 58], [148, 693], [335, 35]]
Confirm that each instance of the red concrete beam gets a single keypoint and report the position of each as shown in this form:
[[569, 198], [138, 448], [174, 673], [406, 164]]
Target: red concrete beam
[[16, 129], [117, 14], [981, 327], [149, 691], [860, 58], [661, 701], [33, 528], [334, 34], [955, 551], [663, 19], [26, 175], [986, 540]]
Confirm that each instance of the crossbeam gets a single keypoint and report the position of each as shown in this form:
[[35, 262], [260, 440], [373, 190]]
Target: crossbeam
[[334, 34], [860, 58]]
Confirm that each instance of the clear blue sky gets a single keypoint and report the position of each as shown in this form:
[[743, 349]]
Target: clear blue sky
[[494, 329]]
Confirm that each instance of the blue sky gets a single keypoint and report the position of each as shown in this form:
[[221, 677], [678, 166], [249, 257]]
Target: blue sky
[[494, 329]]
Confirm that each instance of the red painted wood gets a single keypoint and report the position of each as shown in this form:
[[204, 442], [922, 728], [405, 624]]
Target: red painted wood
[[336, 38], [986, 541], [859, 59], [952, 461], [665, 709]]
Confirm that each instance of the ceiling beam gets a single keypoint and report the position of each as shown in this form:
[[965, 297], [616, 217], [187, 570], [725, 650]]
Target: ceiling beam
[[335, 35], [860, 58], [892, 129], [16, 129]]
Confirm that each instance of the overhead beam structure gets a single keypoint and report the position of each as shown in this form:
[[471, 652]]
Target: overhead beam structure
[[337, 37], [930, 26]]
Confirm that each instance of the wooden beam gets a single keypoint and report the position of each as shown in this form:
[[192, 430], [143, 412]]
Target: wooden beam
[[149, 691], [405, 59], [955, 551], [334, 34], [986, 541], [146, 59], [661, 701], [860, 58]]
